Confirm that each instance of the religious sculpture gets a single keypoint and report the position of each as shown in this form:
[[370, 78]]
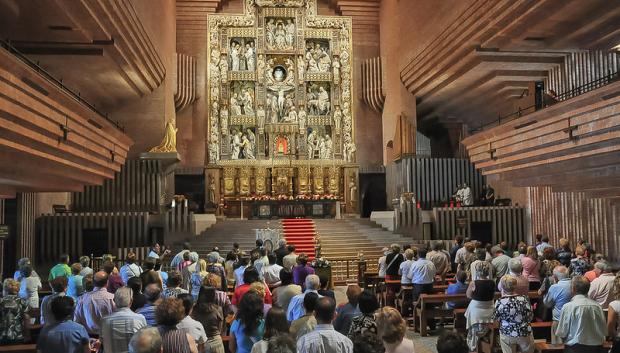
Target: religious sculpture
[[235, 105], [212, 196], [223, 68], [336, 66], [337, 119], [260, 118], [301, 68], [352, 190], [311, 144], [280, 35], [169, 142], [236, 144], [301, 117], [224, 120]]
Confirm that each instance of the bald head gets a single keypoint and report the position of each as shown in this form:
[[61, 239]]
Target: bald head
[[100, 279], [560, 272], [147, 340], [152, 292]]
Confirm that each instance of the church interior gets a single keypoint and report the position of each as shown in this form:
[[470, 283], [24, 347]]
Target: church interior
[[443, 174]]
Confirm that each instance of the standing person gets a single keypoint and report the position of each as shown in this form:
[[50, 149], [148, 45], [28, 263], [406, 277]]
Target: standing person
[[29, 287], [391, 328], [249, 325], [458, 244], [364, 327], [20, 264], [290, 260], [564, 254], [61, 268], [189, 325], [479, 312], [149, 275], [544, 244], [514, 314], [499, 262], [549, 263], [114, 279], [440, 258], [348, 311], [86, 269], [59, 288], [422, 275], [295, 307], [596, 271], [392, 278], [147, 340], [163, 275], [465, 256], [198, 278], [210, 315], [130, 269], [381, 265], [118, 327], [213, 266], [178, 258], [152, 293], [168, 314], [14, 320], [531, 268], [302, 270], [324, 338], [221, 298], [138, 299], [325, 291], [275, 324], [250, 276], [95, 305], [154, 251], [582, 324], [65, 335], [558, 295], [283, 294], [613, 317], [173, 285], [405, 269], [243, 264], [188, 270], [306, 323], [515, 269], [229, 265], [579, 265], [271, 272], [75, 287], [281, 252], [602, 288]]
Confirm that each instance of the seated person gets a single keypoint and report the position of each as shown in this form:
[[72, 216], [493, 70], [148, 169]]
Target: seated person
[[460, 287]]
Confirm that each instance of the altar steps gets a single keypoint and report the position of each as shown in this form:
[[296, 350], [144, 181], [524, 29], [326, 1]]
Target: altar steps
[[301, 233]]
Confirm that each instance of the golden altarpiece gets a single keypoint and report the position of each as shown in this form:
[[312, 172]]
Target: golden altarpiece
[[280, 106]]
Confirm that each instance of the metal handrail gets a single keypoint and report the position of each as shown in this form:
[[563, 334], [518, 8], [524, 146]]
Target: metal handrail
[[6, 44], [573, 92]]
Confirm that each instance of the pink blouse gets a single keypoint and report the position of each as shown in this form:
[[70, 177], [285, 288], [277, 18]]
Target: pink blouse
[[531, 269]]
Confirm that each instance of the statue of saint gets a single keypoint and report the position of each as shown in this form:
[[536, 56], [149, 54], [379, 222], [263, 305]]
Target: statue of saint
[[301, 117], [352, 191], [260, 117], [336, 67], [337, 118], [212, 199], [224, 120], [236, 144], [235, 105], [311, 144], [223, 68], [250, 60], [301, 67]]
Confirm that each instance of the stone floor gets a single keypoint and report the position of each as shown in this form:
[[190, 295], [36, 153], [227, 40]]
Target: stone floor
[[422, 344]]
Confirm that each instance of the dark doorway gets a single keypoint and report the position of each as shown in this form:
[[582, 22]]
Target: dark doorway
[[482, 231], [193, 188], [373, 195], [95, 242], [9, 257]]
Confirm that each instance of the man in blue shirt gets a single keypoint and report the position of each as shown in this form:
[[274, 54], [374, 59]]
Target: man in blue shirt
[[460, 287], [558, 295], [540, 248], [152, 294], [64, 335], [422, 274], [238, 273]]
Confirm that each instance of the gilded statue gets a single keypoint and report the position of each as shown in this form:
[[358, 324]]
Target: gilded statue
[[169, 143]]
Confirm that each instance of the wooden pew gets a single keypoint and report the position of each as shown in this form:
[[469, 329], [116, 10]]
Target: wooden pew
[[544, 347], [19, 348], [422, 313]]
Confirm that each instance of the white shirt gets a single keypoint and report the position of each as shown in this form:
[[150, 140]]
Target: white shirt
[[602, 289], [271, 274], [382, 266], [405, 268], [324, 339], [193, 328], [582, 321], [118, 328], [153, 254], [422, 272], [260, 346]]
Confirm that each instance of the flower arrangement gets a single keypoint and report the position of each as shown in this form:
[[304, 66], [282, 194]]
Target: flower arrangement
[[321, 262]]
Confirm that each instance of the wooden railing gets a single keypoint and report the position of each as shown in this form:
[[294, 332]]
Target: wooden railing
[[346, 270]]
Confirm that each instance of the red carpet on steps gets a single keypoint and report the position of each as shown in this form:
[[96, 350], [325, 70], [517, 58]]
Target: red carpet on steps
[[300, 232]]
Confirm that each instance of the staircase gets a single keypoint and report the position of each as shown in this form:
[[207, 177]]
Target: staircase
[[301, 233]]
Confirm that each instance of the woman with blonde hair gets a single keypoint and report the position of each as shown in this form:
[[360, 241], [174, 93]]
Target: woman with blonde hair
[[198, 277], [579, 265], [479, 312], [564, 254], [391, 328], [259, 288], [221, 298], [531, 267]]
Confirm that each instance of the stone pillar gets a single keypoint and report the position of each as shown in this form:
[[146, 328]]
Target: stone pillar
[[25, 235]]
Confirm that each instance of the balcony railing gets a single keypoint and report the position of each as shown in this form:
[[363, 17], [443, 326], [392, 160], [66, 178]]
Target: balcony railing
[[550, 100], [6, 44]]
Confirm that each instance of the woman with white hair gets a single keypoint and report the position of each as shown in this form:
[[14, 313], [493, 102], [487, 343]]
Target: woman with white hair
[[514, 314], [479, 312]]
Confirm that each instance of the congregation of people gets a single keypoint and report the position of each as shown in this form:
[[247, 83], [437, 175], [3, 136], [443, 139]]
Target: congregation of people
[[573, 288], [261, 301]]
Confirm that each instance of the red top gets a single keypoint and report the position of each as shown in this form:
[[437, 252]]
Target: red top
[[244, 288]]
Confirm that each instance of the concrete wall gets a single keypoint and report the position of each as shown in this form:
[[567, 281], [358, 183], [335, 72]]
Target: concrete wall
[[145, 118]]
